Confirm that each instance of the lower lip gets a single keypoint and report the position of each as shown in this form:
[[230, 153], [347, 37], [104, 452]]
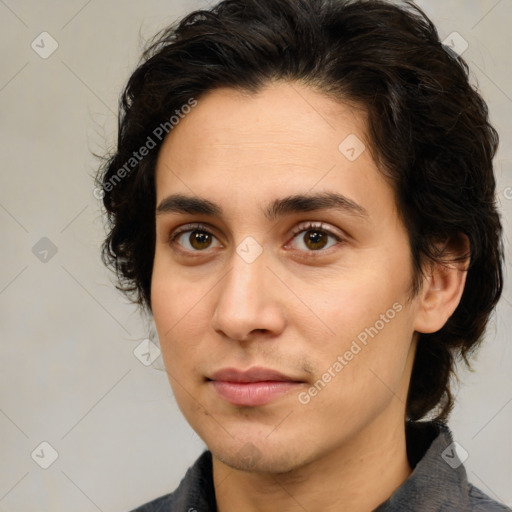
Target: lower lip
[[252, 393]]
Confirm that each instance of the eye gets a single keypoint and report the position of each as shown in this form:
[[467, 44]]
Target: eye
[[198, 239], [316, 237]]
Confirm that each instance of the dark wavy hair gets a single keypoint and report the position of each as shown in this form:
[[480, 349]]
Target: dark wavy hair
[[428, 128]]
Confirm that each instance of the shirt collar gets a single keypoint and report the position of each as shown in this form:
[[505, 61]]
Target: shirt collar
[[437, 483]]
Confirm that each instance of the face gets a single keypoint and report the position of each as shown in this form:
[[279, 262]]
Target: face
[[285, 325]]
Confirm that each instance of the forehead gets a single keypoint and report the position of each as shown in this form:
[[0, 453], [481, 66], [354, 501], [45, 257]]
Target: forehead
[[285, 139]]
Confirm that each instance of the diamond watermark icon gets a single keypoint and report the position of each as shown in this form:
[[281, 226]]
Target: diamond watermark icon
[[351, 147], [44, 250], [454, 455], [146, 352], [456, 43], [44, 45], [249, 249], [249, 454], [44, 455]]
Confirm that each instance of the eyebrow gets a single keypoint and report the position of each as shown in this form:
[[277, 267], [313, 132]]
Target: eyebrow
[[297, 203]]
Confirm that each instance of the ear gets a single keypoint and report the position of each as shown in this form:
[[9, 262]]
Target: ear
[[443, 286]]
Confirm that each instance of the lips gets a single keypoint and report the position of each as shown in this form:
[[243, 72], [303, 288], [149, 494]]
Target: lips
[[255, 374], [253, 387]]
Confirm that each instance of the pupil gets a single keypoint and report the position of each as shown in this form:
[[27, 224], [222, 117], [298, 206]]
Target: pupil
[[315, 237], [199, 238]]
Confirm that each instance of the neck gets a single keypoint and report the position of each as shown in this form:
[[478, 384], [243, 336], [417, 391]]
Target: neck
[[355, 477]]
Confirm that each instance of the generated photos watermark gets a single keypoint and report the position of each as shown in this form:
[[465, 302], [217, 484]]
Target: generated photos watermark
[[158, 134], [341, 361]]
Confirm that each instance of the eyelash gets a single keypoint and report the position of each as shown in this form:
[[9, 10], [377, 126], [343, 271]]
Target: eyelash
[[309, 226]]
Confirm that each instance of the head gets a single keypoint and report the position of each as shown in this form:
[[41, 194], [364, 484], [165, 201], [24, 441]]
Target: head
[[306, 185]]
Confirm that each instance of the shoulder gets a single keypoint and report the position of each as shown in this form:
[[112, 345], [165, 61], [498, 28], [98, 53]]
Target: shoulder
[[481, 502], [439, 479], [195, 491], [165, 503], [157, 505]]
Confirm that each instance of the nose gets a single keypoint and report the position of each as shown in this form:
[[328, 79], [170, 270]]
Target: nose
[[249, 301]]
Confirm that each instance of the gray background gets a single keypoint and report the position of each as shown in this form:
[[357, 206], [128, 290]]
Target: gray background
[[68, 373]]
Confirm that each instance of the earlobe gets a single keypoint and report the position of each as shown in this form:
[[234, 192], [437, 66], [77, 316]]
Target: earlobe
[[443, 286]]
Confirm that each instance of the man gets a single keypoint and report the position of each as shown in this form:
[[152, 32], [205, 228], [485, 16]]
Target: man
[[303, 198]]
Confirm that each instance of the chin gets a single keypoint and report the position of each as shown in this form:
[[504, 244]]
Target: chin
[[252, 460], [258, 453]]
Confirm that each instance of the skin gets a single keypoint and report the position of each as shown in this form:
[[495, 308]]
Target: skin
[[296, 308]]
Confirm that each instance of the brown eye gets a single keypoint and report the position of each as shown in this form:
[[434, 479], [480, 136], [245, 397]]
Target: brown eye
[[315, 237], [194, 239], [199, 239]]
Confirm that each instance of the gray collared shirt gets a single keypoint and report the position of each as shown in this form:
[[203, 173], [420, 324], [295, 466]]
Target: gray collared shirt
[[438, 482]]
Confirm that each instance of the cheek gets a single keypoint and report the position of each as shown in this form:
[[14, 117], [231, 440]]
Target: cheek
[[176, 310], [372, 325], [176, 314], [362, 302], [172, 295], [360, 376]]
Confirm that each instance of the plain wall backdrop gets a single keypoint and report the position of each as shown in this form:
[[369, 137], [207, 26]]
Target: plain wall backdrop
[[68, 373]]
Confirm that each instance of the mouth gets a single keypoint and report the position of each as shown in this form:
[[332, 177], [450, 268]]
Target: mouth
[[252, 387]]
